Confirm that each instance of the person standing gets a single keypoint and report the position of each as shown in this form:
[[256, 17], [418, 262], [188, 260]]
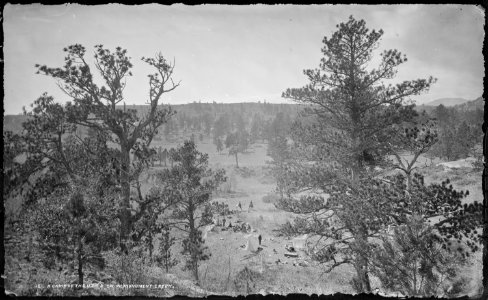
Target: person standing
[[259, 239], [250, 206]]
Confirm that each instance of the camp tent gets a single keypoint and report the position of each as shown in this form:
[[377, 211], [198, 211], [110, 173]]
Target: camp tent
[[299, 243], [206, 230], [251, 244]]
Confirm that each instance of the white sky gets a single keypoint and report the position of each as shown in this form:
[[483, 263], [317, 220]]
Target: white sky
[[229, 53]]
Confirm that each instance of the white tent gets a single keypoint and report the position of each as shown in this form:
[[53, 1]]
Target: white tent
[[250, 245], [206, 229], [299, 243]]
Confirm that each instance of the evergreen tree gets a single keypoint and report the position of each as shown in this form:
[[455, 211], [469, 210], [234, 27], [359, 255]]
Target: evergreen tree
[[207, 123], [166, 241], [372, 208], [341, 131], [415, 139], [281, 153], [221, 126], [220, 145], [68, 186], [237, 142], [190, 183], [414, 263], [96, 106], [465, 140], [256, 128]]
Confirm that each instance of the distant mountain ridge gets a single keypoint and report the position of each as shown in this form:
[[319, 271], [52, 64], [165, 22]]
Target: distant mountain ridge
[[447, 101], [456, 103], [471, 105]]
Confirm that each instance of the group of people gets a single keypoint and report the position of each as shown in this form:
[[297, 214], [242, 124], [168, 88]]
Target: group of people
[[222, 222], [250, 206]]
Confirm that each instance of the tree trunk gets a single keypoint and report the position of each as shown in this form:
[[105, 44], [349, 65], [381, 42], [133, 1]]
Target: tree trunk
[[363, 274], [361, 260], [364, 285], [166, 261], [80, 260], [485, 209], [150, 245], [237, 163], [193, 246], [195, 268], [125, 214], [409, 180]]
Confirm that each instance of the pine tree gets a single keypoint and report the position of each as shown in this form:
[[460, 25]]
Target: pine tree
[[415, 139], [98, 107], [166, 241], [256, 128], [219, 145], [189, 183], [413, 262], [342, 129], [237, 142]]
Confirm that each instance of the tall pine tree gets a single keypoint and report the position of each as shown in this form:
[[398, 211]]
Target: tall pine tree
[[349, 107]]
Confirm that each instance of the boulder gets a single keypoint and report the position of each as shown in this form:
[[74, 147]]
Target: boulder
[[303, 264]]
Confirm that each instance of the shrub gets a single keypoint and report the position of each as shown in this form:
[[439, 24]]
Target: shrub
[[270, 198], [229, 185], [247, 281], [245, 172], [126, 268], [220, 208], [426, 268]]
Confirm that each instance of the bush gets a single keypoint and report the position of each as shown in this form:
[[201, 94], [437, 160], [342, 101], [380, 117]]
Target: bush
[[270, 198], [245, 172], [247, 281], [478, 163], [425, 268], [220, 209], [229, 185], [32, 281], [126, 268]]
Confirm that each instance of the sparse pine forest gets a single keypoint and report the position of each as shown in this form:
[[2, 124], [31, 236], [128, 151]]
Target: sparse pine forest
[[351, 189]]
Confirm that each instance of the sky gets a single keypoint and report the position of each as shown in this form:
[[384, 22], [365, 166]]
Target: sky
[[229, 54]]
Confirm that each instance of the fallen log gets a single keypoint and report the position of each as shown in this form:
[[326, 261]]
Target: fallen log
[[291, 254]]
